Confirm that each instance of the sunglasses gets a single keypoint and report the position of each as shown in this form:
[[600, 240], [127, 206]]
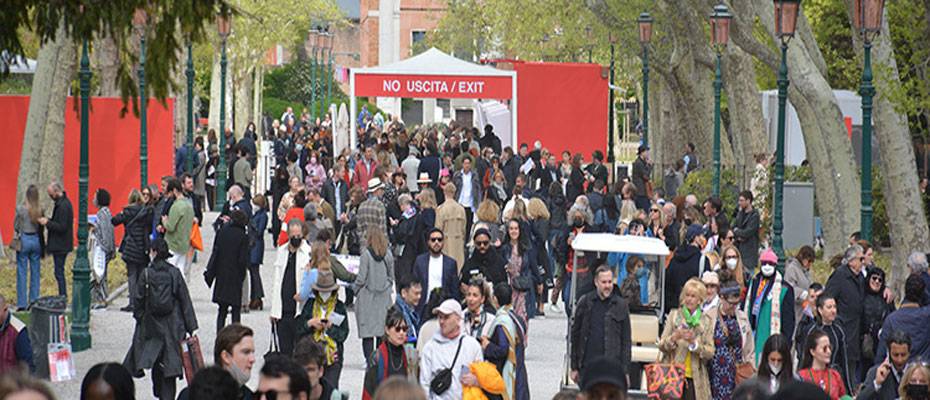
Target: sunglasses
[[399, 328], [877, 279], [654, 210], [269, 395], [435, 239], [729, 237], [482, 243]]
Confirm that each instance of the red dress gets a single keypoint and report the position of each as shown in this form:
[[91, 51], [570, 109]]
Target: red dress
[[828, 379]]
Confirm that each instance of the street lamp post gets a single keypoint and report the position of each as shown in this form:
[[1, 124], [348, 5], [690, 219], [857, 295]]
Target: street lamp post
[[329, 82], [645, 35], [321, 44], [139, 23], [80, 301], [223, 26], [313, 39], [786, 17], [867, 20], [190, 107], [610, 107], [720, 34]]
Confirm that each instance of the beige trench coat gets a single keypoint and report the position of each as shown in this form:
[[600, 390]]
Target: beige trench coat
[[450, 218], [676, 352]]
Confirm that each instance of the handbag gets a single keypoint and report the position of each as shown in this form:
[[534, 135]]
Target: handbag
[[744, 370], [16, 244], [522, 283], [273, 347], [442, 379], [191, 357], [196, 239], [665, 381]]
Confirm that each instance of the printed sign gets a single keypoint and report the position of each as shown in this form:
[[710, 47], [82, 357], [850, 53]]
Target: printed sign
[[425, 86]]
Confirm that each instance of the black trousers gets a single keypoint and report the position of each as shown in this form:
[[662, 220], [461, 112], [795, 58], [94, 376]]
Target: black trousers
[[257, 291], [287, 334], [221, 315], [368, 347], [469, 215], [133, 272], [333, 372], [163, 387], [59, 260]]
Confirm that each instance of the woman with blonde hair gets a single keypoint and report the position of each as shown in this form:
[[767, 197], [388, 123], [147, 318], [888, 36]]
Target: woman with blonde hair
[[488, 218], [426, 219], [373, 286], [28, 232], [688, 339], [914, 382]]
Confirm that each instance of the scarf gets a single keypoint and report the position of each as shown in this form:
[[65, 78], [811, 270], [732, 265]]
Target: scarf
[[692, 320], [773, 308], [515, 331], [323, 309], [412, 319]]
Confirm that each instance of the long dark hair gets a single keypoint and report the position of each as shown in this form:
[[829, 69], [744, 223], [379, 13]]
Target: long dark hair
[[777, 343], [114, 375], [523, 242], [810, 343]]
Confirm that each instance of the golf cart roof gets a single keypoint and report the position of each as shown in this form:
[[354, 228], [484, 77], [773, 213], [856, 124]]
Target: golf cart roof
[[608, 242]]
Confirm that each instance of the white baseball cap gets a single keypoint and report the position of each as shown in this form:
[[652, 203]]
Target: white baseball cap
[[449, 307]]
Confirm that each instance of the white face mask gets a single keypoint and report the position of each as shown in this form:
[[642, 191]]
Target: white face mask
[[325, 295], [731, 263], [768, 270], [775, 368]]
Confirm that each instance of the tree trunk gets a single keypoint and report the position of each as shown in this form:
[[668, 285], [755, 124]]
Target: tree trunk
[[745, 109], [53, 146], [214, 119], [243, 89], [106, 56], [34, 136], [259, 82], [903, 205], [836, 182]]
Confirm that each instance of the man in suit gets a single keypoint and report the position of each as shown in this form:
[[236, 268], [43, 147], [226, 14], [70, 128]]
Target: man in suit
[[882, 380], [435, 270]]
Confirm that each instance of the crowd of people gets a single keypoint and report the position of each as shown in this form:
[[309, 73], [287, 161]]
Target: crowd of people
[[460, 244]]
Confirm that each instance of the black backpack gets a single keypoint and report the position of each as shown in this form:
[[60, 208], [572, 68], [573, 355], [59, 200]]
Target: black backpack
[[159, 297]]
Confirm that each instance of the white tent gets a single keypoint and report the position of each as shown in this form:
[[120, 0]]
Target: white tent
[[433, 74]]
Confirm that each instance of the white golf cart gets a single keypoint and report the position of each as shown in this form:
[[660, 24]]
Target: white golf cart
[[644, 321]]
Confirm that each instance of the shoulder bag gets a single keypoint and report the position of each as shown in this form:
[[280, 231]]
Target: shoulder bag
[[442, 379]]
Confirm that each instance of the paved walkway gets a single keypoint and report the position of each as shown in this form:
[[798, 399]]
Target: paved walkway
[[112, 330]]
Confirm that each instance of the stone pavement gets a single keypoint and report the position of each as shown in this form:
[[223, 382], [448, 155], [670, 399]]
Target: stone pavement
[[112, 331]]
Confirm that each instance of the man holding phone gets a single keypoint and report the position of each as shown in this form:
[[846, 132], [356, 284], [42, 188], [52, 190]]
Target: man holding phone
[[882, 380]]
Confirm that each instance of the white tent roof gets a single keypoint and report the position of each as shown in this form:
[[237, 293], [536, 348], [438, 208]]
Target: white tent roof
[[434, 62], [608, 242]]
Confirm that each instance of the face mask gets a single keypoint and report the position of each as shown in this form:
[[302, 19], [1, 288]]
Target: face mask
[[579, 223], [731, 263], [916, 391], [325, 295], [642, 272], [295, 241], [239, 375], [768, 269], [775, 368], [716, 267]]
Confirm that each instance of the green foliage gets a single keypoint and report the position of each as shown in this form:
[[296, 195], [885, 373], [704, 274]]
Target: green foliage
[[829, 20], [701, 183], [291, 83], [880, 232], [274, 106], [910, 34]]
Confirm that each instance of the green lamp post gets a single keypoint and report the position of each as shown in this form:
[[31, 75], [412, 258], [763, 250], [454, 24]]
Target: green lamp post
[[80, 301], [329, 82], [645, 36], [786, 17], [867, 20], [140, 21], [314, 37], [190, 107], [720, 35], [223, 26], [610, 107]]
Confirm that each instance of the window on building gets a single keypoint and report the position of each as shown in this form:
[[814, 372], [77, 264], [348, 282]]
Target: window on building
[[417, 36]]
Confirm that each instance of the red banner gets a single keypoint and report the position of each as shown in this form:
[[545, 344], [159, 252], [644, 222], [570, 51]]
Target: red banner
[[426, 86]]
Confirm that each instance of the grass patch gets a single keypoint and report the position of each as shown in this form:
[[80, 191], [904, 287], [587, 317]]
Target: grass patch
[[48, 286]]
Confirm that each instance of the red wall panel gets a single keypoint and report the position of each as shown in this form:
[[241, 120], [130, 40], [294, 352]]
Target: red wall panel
[[564, 106], [113, 152]]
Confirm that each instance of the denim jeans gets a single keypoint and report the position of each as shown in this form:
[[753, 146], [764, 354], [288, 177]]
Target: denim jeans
[[27, 263], [59, 259]]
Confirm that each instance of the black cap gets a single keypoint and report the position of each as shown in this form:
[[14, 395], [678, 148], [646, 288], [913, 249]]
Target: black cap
[[641, 149], [603, 370]]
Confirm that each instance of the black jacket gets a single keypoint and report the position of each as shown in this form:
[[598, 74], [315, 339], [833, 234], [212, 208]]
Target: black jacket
[[60, 227], [575, 185], [599, 172], [888, 390], [228, 263], [617, 337], [450, 279], [491, 265], [685, 264], [329, 194], [138, 222], [848, 289], [787, 305]]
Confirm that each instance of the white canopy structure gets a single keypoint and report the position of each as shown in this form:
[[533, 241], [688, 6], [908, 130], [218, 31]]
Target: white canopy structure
[[433, 74]]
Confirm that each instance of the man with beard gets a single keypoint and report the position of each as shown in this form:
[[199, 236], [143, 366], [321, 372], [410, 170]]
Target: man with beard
[[484, 262]]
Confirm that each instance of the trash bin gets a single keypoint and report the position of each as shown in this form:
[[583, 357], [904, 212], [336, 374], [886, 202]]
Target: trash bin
[[44, 329]]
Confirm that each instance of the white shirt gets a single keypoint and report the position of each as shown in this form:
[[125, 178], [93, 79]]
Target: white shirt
[[465, 198], [435, 273]]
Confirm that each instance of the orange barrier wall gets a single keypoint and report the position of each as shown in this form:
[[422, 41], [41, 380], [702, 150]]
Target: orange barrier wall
[[113, 152]]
